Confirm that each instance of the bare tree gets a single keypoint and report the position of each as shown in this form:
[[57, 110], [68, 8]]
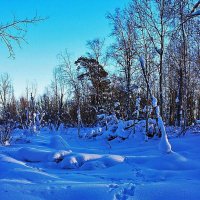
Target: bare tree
[[97, 51], [123, 50], [157, 26], [14, 32], [183, 49], [5, 90], [69, 75]]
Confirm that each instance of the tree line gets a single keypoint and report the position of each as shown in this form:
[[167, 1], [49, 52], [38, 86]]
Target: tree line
[[109, 79]]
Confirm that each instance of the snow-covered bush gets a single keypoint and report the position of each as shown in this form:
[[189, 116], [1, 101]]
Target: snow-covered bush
[[94, 133], [106, 124], [121, 132], [35, 121], [5, 133]]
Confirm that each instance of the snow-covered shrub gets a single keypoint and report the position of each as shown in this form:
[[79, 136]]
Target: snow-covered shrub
[[35, 123], [5, 133], [107, 125], [94, 133], [193, 129], [102, 120], [120, 132]]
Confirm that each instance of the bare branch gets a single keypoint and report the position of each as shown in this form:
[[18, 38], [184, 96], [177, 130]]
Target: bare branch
[[15, 31]]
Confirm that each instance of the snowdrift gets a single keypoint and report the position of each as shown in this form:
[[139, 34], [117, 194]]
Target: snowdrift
[[96, 168]]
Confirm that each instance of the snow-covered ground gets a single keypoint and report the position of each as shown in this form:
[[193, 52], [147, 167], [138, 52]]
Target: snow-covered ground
[[61, 166]]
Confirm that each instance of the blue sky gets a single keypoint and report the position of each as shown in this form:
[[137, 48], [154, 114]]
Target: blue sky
[[71, 23]]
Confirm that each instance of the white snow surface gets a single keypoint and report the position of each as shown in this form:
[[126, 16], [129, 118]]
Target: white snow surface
[[142, 62], [164, 146], [97, 169], [154, 102]]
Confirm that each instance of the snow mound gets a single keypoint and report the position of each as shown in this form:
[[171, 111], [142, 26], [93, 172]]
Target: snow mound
[[32, 155], [69, 162], [76, 160], [14, 170], [90, 161], [6, 160], [58, 155], [112, 160], [103, 162], [93, 165], [28, 154], [172, 161], [57, 142]]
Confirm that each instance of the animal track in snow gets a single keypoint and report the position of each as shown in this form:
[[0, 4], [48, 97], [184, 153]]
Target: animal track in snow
[[125, 192]]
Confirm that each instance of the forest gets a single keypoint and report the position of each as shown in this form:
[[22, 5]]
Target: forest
[[120, 121], [109, 80]]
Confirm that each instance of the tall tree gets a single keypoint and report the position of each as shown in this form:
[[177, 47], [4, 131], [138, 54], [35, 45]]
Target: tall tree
[[5, 90], [157, 15], [95, 73], [123, 50], [96, 49]]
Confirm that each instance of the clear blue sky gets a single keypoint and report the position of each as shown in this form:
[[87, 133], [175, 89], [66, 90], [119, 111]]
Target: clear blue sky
[[71, 24]]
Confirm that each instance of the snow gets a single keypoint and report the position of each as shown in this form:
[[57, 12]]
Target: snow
[[197, 121], [57, 142], [154, 102], [159, 51], [69, 163], [117, 104], [89, 161], [142, 62], [32, 155], [196, 13], [164, 146], [98, 169]]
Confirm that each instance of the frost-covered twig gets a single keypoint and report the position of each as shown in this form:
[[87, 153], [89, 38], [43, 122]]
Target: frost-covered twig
[[15, 31]]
